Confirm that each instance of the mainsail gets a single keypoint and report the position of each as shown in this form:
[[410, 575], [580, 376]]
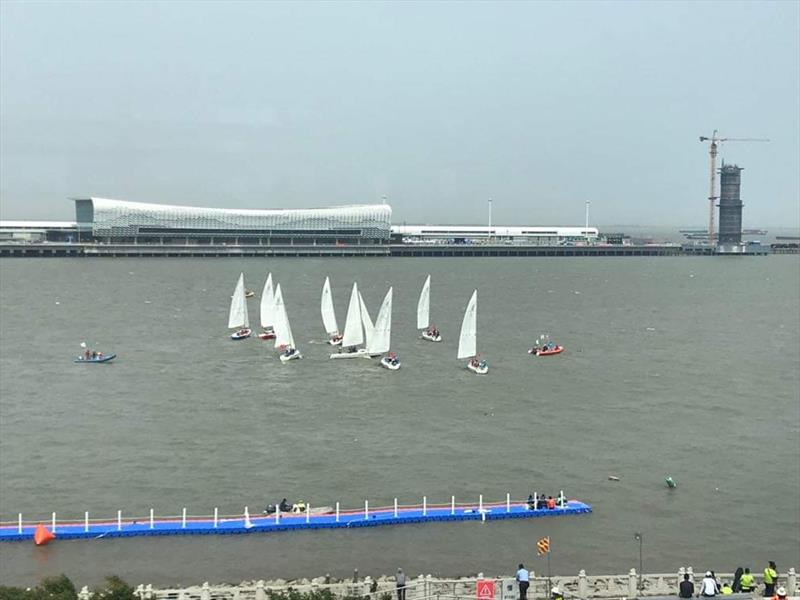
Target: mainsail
[[367, 322], [382, 332], [424, 305], [467, 343], [353, 335], [283, 332], [328, 316], [268, 304], [237, 316]]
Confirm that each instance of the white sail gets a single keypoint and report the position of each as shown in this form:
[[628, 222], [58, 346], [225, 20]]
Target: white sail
[[353, 335], [328, 316], [467, 342], [283, 332], [268, 304], [369, 328], [424, 305], [382, 332], [237, 316]]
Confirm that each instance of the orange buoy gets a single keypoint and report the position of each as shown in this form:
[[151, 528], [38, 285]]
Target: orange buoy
[[42, 535]]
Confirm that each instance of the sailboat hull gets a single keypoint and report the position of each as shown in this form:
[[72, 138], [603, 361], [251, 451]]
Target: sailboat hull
[[240, 335], [539, 352], [360, 353], [477, 369], [266, 335], [100, 359], [294, 356], [431, 338]]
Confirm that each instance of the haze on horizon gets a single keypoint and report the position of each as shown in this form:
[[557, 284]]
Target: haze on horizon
[[437, 106]]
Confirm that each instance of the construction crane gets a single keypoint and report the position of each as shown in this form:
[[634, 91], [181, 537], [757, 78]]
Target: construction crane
[[712, 152]]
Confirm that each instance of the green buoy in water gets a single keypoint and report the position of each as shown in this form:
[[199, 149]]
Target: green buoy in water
[[671, 482]]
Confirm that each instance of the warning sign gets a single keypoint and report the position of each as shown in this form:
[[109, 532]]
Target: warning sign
[[485, 589]]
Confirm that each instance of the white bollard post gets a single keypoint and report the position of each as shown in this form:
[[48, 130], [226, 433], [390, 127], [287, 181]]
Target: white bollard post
[[508, 502], [452, 505], [535, 500], [86, 521], [19, 524], [152, 519], [480, 503], [53, 529], [119, 520], [216, 516], [337, 512], [277, 513], [424, 506], [561, 499], [183, 518], [308, 512], [247, 523], [395, 508], [366, 509]]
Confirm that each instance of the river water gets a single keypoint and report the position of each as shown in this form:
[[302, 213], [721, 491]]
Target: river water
[[683, 366]]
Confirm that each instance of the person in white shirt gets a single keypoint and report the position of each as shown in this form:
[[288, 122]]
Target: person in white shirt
[[523, 579], [708, 588]]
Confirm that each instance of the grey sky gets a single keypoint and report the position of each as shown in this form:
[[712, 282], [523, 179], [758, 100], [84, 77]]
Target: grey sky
[[436, 105]]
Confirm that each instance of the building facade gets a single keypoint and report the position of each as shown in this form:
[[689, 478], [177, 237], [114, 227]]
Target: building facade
[[118, 221], [475, 234]]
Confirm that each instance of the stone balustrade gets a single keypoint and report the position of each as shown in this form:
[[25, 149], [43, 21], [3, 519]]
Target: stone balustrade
[[573, 587]]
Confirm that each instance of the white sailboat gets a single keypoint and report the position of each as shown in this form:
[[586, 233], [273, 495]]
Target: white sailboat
[[329, 316], [382, 335], [424, 314], [267, 311], [366, 322], [467, 341], [237, 315], [283, 331], [353, 330]]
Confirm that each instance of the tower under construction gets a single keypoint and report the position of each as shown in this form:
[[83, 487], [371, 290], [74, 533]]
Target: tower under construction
[[730, 208]]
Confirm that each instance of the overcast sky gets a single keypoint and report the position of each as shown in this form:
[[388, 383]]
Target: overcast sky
[[438, 106]]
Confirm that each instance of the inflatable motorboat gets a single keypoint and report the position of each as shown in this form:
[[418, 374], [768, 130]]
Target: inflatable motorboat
[[241, 334], [391, 362], [100, 358], [546, 351]]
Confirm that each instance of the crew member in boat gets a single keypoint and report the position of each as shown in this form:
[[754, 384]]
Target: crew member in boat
[[87, 354], [531, 502], [336, 337], [299, 507], [392, 358], [242, 332]]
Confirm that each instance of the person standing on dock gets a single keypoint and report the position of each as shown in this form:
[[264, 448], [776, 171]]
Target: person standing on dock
[[770, 577], [523, 579], [401, 584]]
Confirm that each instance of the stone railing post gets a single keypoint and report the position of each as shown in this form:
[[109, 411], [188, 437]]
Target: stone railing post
[[261, 593], [791, 582], [633, 592], [681, 573], [428, 585], [583, 585], [367, 585], [205, 592], [148, 591], [84, 593], [691, 574], [419, 589]]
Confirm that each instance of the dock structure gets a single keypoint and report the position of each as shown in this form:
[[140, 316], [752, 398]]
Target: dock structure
[[23, 530], [92, 250]]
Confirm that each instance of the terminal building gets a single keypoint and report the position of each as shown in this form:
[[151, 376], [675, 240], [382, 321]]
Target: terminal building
[[471, 234], [121, 222]]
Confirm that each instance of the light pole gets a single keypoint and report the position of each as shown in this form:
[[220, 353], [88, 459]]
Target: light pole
[[490, 219], [586, 231], [638, 536]]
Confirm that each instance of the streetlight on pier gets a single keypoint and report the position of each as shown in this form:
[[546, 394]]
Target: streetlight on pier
[[638, 537]]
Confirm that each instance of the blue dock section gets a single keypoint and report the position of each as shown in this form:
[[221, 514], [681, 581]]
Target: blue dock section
[[288, 521]]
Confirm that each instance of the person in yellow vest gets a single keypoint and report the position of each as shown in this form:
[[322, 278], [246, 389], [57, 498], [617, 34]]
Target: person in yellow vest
[[770, 577], [747, 582], [726, 589]]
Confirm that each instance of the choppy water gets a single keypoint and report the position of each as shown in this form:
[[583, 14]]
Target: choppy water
[[683, 366]]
